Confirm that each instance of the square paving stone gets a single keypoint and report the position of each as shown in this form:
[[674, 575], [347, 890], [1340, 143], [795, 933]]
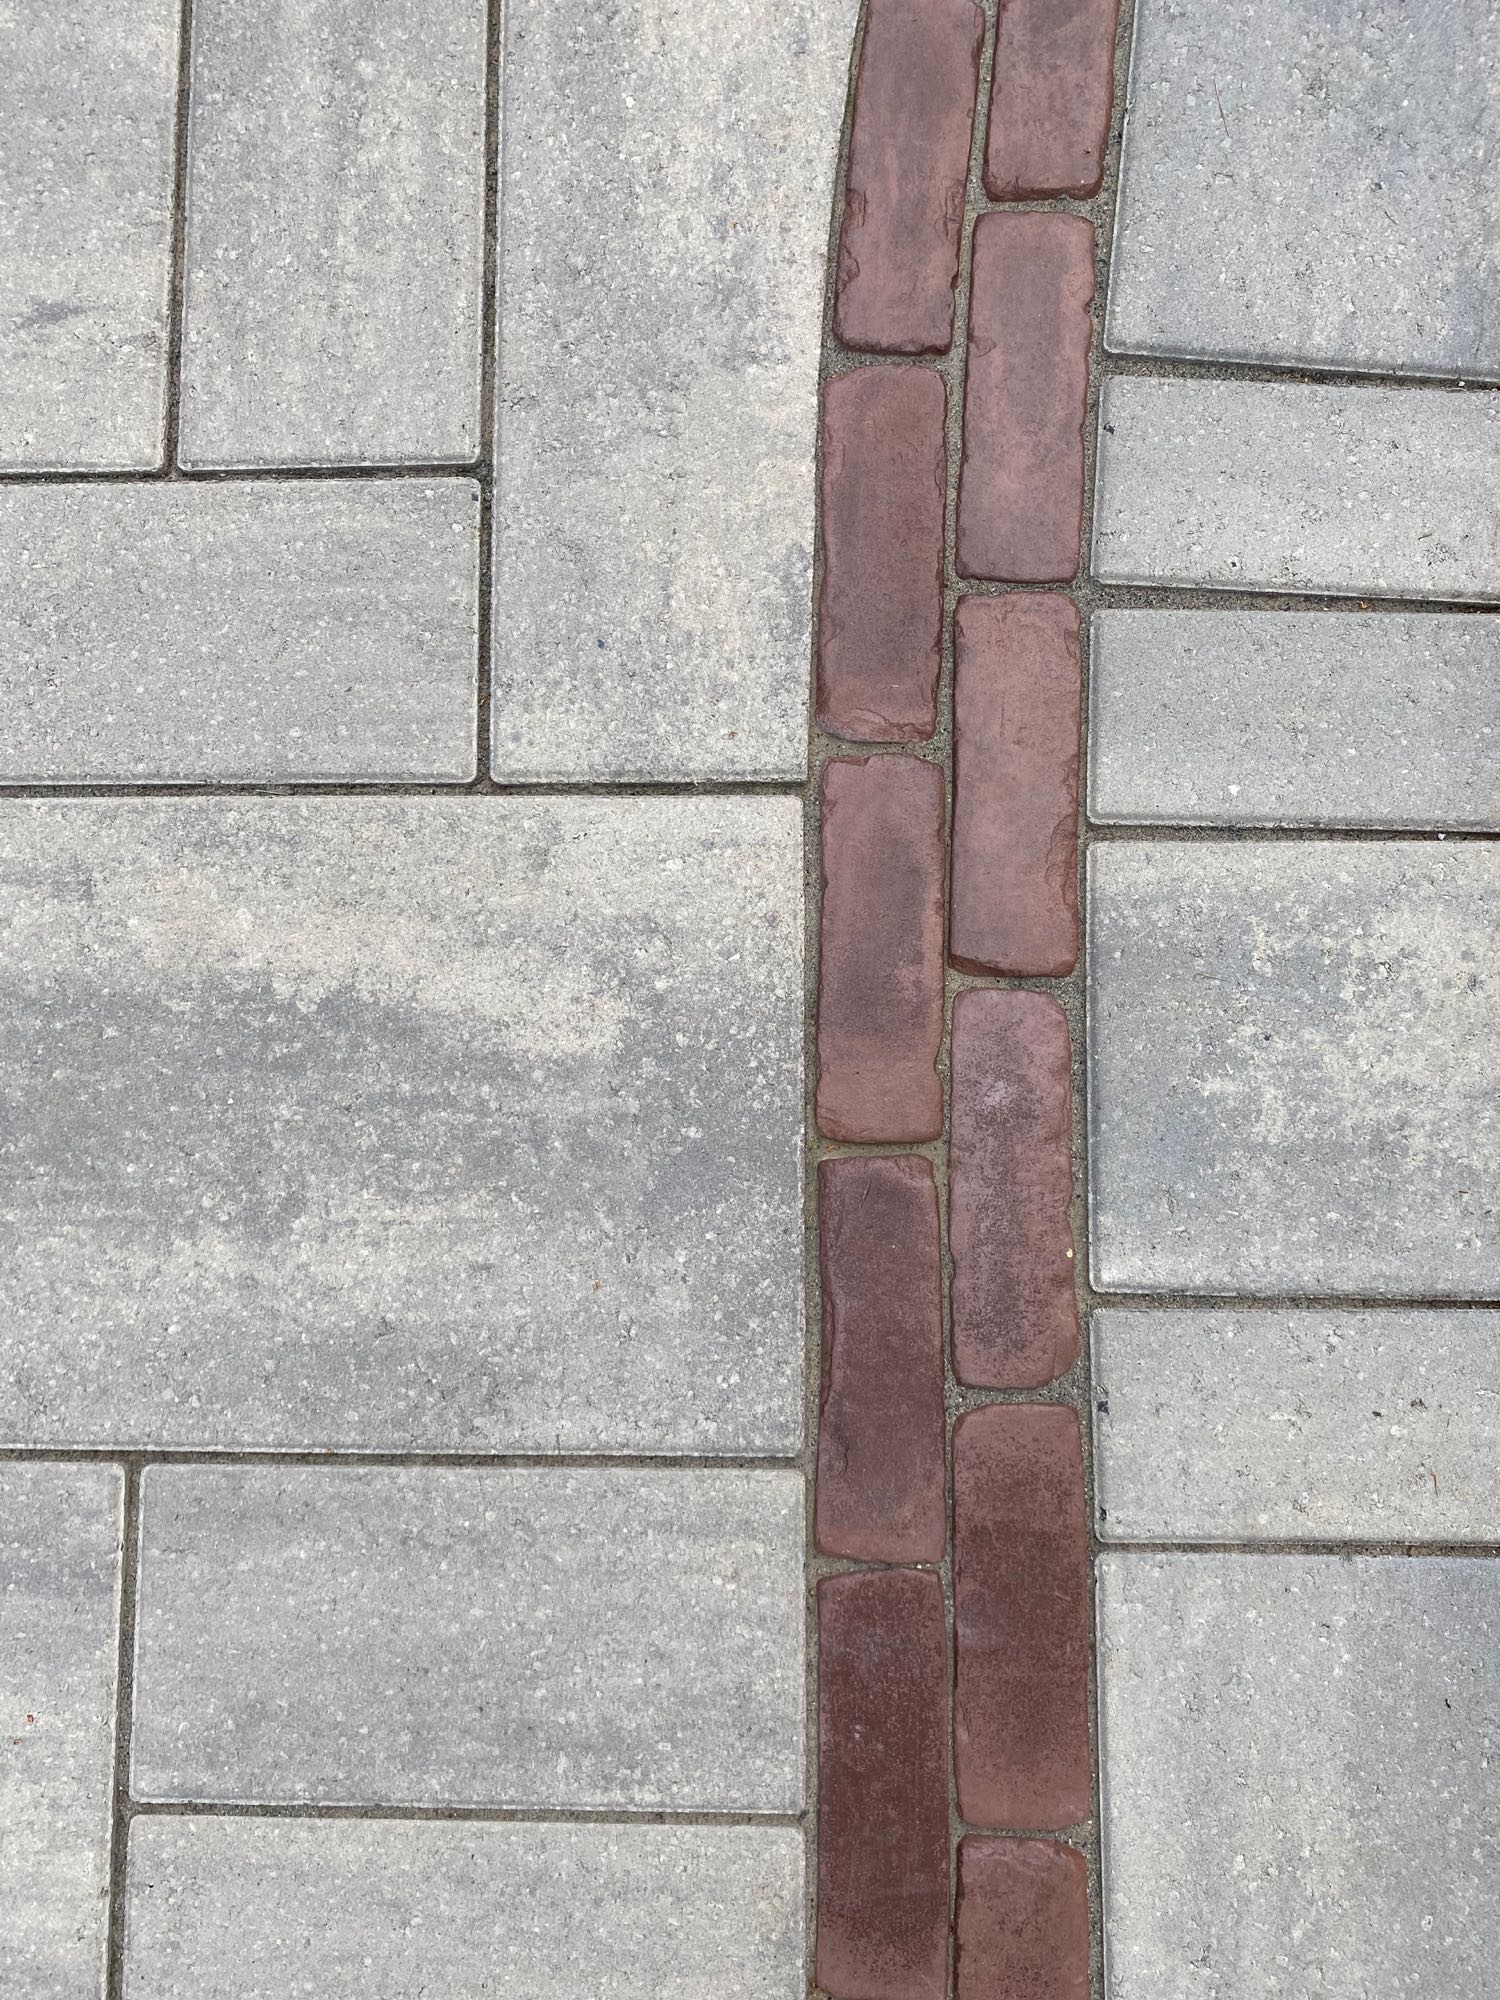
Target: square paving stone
[[403, 1123], [1297, 1792], [666, 192], [1305, 184], [1292, 1068], [60, 1535], [486, 1637]]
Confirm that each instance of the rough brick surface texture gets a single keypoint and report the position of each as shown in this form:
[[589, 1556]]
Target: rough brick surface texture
[[1051, 98], [880, 618], [1023, 1920]]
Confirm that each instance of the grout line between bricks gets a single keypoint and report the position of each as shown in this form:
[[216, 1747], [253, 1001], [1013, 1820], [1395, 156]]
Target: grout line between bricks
[[177, 266], [489, 308], [458, 1815], [120, 1806]]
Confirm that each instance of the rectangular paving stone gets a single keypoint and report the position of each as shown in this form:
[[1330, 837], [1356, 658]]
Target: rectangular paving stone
[[1298, 489], [60, 1536], [244, 1908], [88, 105], [335, 233], [1051, 98], [1023, 1920], [375, 1635], [1282, 718], [1306, 186], [316, 630], [1297, 1792], [667, 190], [403, 1124], [1296, 1426], [1292, 1068]]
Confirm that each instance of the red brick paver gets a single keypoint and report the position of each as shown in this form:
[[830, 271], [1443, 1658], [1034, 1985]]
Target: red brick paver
[[1051, 98], [1023, 1920]]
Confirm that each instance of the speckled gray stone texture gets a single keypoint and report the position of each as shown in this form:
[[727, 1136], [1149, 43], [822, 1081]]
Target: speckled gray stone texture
[[88, 99], [1292, 1068], [319, 629], [1274, 718], [1296, 1426], [335, 233], [402, 1124], [60, 1528], [1298, 488], [666, 192], [505, 1637], [1312, 185], [1297, 1787]]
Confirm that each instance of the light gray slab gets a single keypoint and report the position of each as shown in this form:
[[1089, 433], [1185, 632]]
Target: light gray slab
[[1297, 1786], [1303, 1426], [88, 99], [335, 233], [402, 1123], [320, 629], [1279, 718], [60, 1533], [500, 1637], [1292, 1068], [667, 181], [1306, 185], [1299, 489]]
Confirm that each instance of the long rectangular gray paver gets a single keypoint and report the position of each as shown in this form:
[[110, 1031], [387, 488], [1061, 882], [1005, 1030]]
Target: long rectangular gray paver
[[1291, 1068], [1295, 1768], [1296, 1426], [666, 192], [1272, 718], [402, 1124], [60, 1537], [335, 233], [1305, 185], [1298, 489], [264, 632], [449, 1636]]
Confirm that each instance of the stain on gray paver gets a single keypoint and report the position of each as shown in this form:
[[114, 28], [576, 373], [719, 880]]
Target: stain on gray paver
[[402, 1124], [1312, 185], [1291, 1068], [1297, 1793], [447, 1636], [60, 1531]]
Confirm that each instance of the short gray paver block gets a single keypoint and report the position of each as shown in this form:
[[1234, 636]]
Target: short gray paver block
[[60, 1533], [1296, 1425], [318, 629], [1297, 1792], [402, 1123], [1291, 1082], [88, 102], [666, 195], [1311, 185], [1301, 489], [335, 233], [497, 1637]]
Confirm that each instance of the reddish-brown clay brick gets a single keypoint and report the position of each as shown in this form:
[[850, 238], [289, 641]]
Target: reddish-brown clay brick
[[1023, 1920], [880, 618], [1015, 1311], [880, 978], [882, 1786], [1020, 1616], [908, 160], [1051, 97], [880, 1486], [1017, 692], [1020, 490]]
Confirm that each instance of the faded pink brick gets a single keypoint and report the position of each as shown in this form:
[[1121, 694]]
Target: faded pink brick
[[1051, 97], [908, 162], [1023, 1920]]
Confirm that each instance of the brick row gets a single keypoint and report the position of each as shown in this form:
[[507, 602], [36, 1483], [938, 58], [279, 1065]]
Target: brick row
[[1051, 98]]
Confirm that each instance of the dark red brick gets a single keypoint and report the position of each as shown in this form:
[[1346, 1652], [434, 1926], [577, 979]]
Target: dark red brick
[[881, 1432], [1050, 101], [1023, 1920], [882, 1786], [1021, 1618], [1017, 695], [880, 618], [880, 980], [1020, 491], [908, 162]]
